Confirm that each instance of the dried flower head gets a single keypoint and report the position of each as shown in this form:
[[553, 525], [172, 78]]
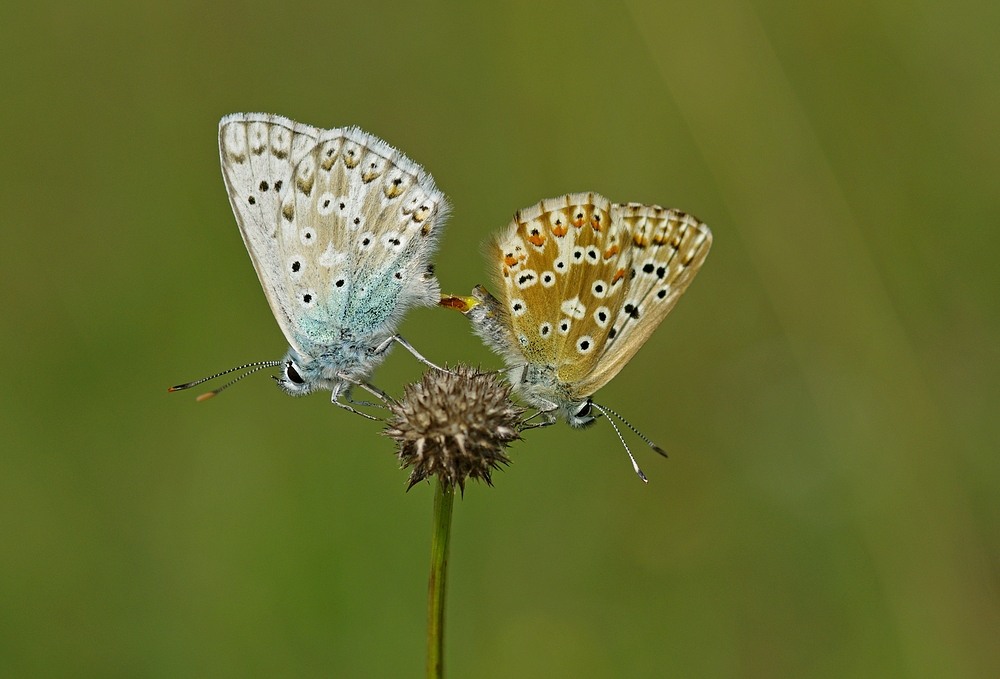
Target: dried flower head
[[455, 425]]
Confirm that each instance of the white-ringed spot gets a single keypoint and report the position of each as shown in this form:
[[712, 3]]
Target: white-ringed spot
[[545, 330], [576, 257], [561, 265], [326, 204], [593, 256], [602, 315], [296, 267], [328, 154], [599, 289], [374, 166], [663, 292], [548, 279], [352, 154], [564, 326], [517, 307], [525, 279], [394, 241], [307, 235], [585, 344], [396, 183], [365, 241], [307, 298]]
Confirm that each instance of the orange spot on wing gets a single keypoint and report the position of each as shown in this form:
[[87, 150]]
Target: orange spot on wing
[[596, 223], [559, 231], [611, 252], [536, 239], [640, 240], [578, 222], [620, 274], [510, 261]]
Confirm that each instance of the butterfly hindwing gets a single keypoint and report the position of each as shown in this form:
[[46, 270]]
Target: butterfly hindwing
[[339, 224], [564, 265], [668, 249]]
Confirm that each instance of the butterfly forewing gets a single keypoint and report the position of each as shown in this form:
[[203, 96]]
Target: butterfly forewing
[[248, 163], [668, 248], [330, 220], [565, 266]]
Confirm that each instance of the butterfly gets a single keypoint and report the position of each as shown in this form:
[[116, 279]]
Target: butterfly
[[583, 284], [340, 227]]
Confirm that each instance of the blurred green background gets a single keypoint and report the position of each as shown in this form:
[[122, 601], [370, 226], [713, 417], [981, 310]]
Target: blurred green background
[[827, 388]]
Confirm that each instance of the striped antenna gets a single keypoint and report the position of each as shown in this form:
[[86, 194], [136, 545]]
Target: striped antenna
[[259, 365]]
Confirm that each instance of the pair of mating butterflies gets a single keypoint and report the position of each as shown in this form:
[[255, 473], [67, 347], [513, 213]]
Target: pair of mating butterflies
[[341, 227]]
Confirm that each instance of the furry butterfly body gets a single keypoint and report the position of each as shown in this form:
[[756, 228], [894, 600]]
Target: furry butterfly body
[[340, 227]]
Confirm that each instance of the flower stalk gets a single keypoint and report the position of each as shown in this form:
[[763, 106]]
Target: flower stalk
[[444, 499], [454, 426]]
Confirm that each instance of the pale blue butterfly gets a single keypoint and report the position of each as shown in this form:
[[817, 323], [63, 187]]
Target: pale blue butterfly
[[340, 227]]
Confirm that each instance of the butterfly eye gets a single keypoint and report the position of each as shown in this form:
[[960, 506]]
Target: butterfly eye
[[292, 374], [584, 410]]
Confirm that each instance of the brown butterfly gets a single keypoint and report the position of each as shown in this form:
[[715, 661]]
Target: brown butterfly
[[583, 284]]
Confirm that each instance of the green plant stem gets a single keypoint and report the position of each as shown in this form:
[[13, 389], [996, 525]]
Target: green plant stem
[[444, 500]]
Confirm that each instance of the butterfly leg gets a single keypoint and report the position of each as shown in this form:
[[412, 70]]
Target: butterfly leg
[[550, 419], [368, 404], [547, 411], [335, 399], [371, 389], [406, 345], [508, 369]]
